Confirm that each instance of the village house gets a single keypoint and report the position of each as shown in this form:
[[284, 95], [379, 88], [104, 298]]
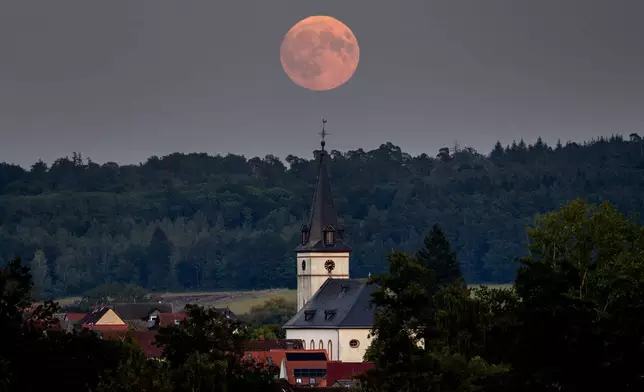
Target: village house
[[102, 319]]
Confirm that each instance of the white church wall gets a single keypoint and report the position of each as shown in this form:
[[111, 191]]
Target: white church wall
[[315, 274], [346, 353], [325, 335]]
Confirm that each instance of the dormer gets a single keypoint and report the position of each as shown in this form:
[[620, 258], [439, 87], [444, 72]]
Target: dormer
[[322, 231], [344, 288], [329, 314], [329, 235], [305, 234], [309, 314]]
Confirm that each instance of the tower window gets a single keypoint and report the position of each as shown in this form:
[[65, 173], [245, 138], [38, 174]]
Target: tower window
[[305, 234], [328, 237]]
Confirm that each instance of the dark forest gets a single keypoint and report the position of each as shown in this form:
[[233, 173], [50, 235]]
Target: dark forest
[[197, 221]]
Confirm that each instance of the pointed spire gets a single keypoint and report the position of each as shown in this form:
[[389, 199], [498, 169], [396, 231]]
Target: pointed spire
[[322, 230]]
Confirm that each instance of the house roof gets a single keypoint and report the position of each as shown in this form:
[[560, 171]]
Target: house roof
[[318, 389], [113, 335], [227, 312], [345, 371], [145, 340], [273, 344], [94, 316], [74, 317], [167, 319], [339, 303], [139, 311], [323, 215], [342, 383]]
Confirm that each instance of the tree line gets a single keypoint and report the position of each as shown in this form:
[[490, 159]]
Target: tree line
[[203, 222], [204, 353], [571, 321]]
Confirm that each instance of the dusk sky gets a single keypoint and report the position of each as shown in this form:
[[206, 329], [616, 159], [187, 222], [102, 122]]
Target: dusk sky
[[122, 80]]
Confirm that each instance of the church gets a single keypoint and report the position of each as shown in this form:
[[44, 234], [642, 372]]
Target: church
[[334, 312]]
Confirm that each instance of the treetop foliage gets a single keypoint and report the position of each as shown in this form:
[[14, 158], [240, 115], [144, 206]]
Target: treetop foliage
[[572, 321], [202, 222]]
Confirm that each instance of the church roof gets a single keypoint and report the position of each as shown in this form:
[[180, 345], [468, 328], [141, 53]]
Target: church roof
[[323, 215], [339, 303]]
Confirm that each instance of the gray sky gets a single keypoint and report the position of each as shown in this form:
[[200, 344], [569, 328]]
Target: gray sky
[[121, 80]]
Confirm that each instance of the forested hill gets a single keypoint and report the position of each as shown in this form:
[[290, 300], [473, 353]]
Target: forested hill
[[206, 222]]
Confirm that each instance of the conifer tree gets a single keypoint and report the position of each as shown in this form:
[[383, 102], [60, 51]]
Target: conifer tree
[[438, 256]]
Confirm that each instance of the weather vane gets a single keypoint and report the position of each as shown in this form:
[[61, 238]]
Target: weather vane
[[323, 134]]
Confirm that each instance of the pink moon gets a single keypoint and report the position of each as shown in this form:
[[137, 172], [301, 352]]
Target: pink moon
[[320, 53]]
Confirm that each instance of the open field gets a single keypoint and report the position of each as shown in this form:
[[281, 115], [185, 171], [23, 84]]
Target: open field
[[239, 302]]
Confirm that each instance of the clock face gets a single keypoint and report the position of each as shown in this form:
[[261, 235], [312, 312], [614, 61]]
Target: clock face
[[303, 265], [329, 265]]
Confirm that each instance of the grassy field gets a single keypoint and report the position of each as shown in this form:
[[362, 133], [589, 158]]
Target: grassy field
[[239, 302]]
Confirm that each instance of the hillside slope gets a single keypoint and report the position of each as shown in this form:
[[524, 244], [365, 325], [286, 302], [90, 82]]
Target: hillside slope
[[200, 222]]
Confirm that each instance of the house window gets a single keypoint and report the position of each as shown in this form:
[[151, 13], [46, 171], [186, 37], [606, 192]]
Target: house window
[[298, 380], [353, 343], [309, 373], [312, 381]]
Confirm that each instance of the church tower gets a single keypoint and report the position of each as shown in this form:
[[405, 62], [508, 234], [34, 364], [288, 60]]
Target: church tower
[[322, 253]]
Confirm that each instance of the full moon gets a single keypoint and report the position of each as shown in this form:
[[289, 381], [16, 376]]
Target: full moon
[[320, 53]]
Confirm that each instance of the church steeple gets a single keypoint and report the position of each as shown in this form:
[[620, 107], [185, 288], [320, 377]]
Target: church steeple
[[322, 231]]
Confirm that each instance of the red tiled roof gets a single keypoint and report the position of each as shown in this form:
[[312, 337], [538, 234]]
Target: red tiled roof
[[106, 327], [273, 344], [275, 356], [145, 340], [337, 370], [53, 325], [168, 319], [75, 316], [114, 335]]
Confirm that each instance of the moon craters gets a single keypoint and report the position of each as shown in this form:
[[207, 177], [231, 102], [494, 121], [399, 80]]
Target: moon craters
[[319, 53]]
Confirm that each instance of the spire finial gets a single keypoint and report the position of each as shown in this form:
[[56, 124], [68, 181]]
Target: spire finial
[[323, 134]]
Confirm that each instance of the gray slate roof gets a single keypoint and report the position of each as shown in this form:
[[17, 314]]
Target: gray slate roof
[[323, 215], [339, 303]]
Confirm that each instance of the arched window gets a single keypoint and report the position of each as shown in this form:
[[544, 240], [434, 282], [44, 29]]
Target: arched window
[[329, 350], [304, 344], [321, 345], [312, 345]]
